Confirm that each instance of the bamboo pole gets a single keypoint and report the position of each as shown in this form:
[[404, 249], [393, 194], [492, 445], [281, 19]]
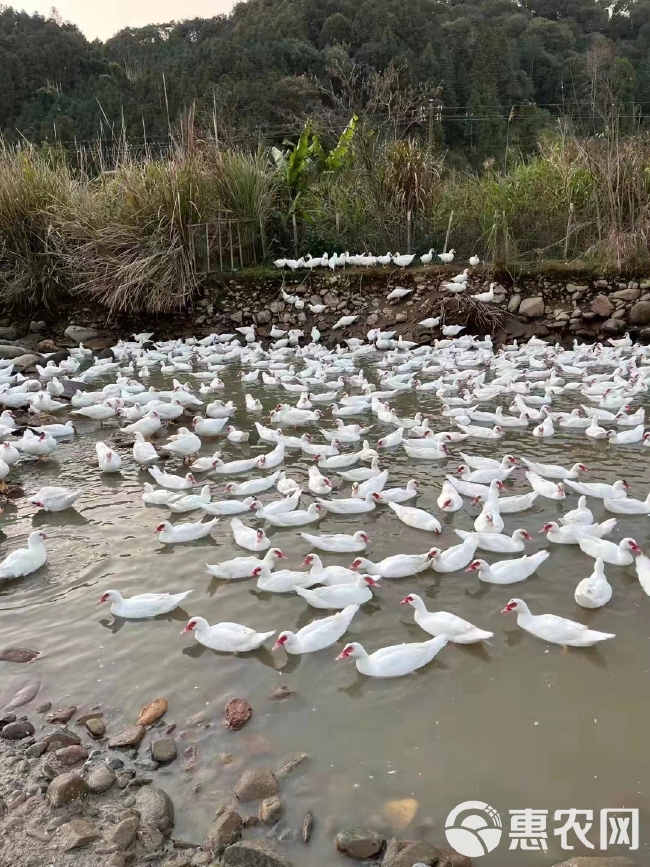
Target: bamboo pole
[[207, 247], [408, 231], [230, 244], [451, 219], [569, 224], [295, 235]]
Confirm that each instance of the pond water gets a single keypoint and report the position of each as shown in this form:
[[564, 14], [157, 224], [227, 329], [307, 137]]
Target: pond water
[[513, 722]]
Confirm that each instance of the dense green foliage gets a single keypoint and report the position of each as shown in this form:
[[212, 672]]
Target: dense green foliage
[[482, 77]]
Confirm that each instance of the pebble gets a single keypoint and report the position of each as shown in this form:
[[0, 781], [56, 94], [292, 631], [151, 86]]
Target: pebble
[[14, 731], [128, 737], [36, 750], [62, 715], [96, 727], [163, 750], [101, 779], [129, 801], [271, 810], [116, 764]]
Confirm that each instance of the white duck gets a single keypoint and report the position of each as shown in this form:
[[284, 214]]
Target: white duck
[[242, 567], [318, 634], [627, 506], [449, 499], [247, 537], [176, 534], [508, 571], [580, 515], [519, 503], [340, 595], [234, 435], [242, 466], [391, 496], [600, 489], [24, 561], [282, 580], [617, 555], [144, 453], [297, 518], [318, 483], [37, 446], [191, 502], [349, 506], [642, 566], [160, 497], [594, 591], [545, 429], [595, 431], [454, 558], [557, 630], [497, 542], [226, 637], [144, 605], [108, 459], [395, 661], [286, 485], [626, 437], [339, 543], [417, 518], [555, 471], [183, 444], [570, 534], [54, 499], [445, 624], [252, 486], [279, 507], [397, 566], [328, 574], [545, 488], [170, 481]]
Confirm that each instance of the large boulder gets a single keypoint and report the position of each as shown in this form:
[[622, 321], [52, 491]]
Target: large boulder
[[602, 306], [629, 294], [639, 314], [80, 334], [9, 351], [156, 809], [223, 832], [360, 843], [614, 326], [255, 785], [252, 854], [533, 308]]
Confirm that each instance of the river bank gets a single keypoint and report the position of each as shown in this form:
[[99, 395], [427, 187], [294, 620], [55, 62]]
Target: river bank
[[556, 304]]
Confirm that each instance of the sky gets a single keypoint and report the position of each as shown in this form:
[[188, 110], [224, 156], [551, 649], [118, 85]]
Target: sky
[[103, 19]]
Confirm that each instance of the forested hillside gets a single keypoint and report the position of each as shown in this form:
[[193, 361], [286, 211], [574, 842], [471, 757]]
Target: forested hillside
[[476, 76]]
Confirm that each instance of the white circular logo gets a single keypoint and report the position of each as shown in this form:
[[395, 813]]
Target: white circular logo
[[475, 834]]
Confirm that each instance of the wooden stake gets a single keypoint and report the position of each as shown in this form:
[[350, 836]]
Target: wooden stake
[[451, 219]]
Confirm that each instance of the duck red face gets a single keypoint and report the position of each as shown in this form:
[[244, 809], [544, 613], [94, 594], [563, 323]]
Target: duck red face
[[282, 640], [257, 571], [309, 559], [260, 535], [511, 606], [356, 563], [546, 528], [473, 567], [406, 601], [159, 528], [103, 598], [365, 537], [190, 626], [346, 652]]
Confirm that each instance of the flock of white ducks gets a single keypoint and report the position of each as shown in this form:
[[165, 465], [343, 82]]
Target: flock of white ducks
[[465, 375]]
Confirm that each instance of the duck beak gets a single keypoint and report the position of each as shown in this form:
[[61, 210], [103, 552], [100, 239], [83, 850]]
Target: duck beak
[[341, 656], [186, 630]]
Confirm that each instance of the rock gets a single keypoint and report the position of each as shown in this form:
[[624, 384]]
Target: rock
[[223, 832], [79, 334], [290, 764], [62, 715], [359, 843], [401, 317], [27, 360], [601, 284], [163, 750], [7, 718], [401, 813], [60, 738], [128, 737], [613, 326], [271, 810], [619, 314], [639, 314], [76, 834], [252, 854], [582, 861], [25, 694], [72, 755], [532, 307], [16, 731], [629, 294], [43, 707], [405, 854], [198, 719], [36, 750], [66, 788], [372, 320], [237, 317], [513, 304], [281, 693], [602, 306], [263, 317], [152, 712], [237, 713], [115, 860], [256, 784], [9, 351], [8, 332], [96, 727], [36, 326], [46, 346], [101, 779], [330, 299], [156, 809], [123, 834]]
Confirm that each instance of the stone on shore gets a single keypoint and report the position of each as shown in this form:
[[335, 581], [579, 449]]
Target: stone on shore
[[76, 834], [271, 810], [407, 854], [101, 779], [66, 788], [60, 738], [9, 351], [124, 833], [533, 308], [72, 755], [224, 831], [79, 334], [255, 785], [401, 813], [602, 306], [96, 727], [237, 713], [128, 737], [153, 711], [360, 843], [62, 715], [253, 854], [163, 750], [156, 809], [639, 313], [16, 731], [290, 764], [613, 326]]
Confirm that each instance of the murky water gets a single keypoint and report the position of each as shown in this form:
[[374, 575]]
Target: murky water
[[512, 722]]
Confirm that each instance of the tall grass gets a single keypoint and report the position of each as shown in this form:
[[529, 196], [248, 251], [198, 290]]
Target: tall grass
[[125, 237]]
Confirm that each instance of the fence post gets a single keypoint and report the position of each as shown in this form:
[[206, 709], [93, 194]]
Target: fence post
[[451, 219], [505, 237], [230, 244], [207, 247], [569, 224], [408, 232], [295, 235]]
